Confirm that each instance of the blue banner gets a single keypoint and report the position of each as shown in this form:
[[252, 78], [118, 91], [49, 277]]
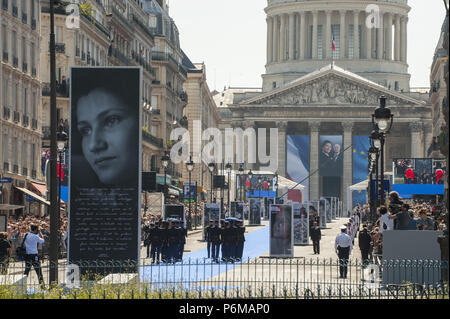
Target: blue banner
[[361, 145]]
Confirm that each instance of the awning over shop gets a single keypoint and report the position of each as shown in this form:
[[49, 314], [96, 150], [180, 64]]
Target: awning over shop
[[35, 196], [42, 188]]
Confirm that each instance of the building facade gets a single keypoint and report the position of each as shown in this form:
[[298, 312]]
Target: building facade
[[317, 97], [20, 92]]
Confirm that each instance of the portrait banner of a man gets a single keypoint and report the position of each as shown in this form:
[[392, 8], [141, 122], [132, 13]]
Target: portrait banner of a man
[[105, 164]]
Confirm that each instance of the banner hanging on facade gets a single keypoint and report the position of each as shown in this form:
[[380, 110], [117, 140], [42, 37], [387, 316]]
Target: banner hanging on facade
[[105, 164]]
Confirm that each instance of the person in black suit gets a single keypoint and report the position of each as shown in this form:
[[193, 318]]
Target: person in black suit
[[326, 160], [364, 240], [316, 235]]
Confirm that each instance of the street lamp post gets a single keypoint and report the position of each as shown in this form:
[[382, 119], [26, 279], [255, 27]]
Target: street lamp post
[[190, 167], [372, 164], [241, 184], [382, 120], [54, 207], [211, 167], [165, 162]]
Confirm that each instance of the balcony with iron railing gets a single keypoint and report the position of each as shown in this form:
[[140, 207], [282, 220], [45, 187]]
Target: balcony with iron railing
[[34, 124], [121, 18], [6, 113], [167, 57], [149, 138], [60, 48], [100, 27], [83, 56], [119, 56], [143, 27], [33, 72], [61, 91], [77, 52]]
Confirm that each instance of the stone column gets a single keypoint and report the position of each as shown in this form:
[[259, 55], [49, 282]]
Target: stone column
[[428, 136], [269, 39], [348, 162], [368, 41], [314, 129], [283, 38], [303, 34], [282, 148], [328, 50], [417, 143], [314, 35], [291, 36], [275, 39], [389, 37], [403, 39], [380, 47], [342, 33], [355, 34], [406, 40], [397, 38]]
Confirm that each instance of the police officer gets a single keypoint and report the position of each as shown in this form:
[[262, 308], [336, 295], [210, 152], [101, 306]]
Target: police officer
[[240, 239], [208, 237], [343, 246]]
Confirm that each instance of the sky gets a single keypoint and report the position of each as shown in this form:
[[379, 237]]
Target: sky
[[230, 38]]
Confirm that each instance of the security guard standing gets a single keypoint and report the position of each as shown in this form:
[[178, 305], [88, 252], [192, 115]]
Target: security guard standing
[[343, 246]]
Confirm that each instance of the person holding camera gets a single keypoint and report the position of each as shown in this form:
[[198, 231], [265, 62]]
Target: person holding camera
[[31, 241]]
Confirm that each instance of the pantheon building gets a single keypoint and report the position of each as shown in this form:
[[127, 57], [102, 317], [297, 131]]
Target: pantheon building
[[322, 100]]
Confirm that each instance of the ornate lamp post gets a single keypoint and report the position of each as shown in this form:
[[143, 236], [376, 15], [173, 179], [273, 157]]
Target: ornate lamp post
[[241, 184], [211, 167], [190, 167], [373, 156], [165, 162], [382, 120]]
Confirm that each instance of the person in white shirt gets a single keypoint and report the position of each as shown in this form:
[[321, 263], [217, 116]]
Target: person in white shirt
[[386, 223], [343, 246], [31, 241]]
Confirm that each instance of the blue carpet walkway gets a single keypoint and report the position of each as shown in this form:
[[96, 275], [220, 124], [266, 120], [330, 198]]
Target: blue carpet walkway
[[196, 267]]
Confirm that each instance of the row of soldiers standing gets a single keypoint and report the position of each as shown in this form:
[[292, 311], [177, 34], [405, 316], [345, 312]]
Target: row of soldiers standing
[[227, 238], [167, 240]]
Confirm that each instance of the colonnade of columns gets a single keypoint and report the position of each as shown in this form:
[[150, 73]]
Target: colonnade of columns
[[288, 38]]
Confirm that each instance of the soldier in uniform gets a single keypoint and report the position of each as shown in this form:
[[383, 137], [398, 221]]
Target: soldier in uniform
[[208, 237], [182, 240], [227, 239], [164, 231], [215, 241], [172, 242], [240, 239], [155, 238]]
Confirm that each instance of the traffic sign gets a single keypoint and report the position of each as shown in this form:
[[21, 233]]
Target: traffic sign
[[6, 180]]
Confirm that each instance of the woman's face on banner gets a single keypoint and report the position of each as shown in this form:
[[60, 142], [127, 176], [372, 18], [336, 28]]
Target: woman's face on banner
[[108, 141], [327, 148]]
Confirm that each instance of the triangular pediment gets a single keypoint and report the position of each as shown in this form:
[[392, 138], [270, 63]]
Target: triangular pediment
[[331, 85]]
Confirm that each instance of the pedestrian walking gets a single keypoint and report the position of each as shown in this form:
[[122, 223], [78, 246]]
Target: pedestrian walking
[[316, 236], [343, 247], [31, 241], [364, 241]]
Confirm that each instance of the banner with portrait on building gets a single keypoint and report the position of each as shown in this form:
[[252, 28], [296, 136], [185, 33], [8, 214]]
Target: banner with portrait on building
[[105, 164], [331, 165], [211, 212], [301, 223], [281, 231]]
